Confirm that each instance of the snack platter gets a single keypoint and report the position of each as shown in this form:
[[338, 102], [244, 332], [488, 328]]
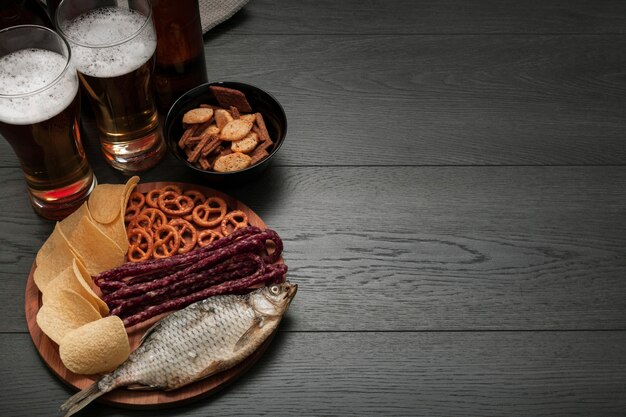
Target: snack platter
[[49, 351]]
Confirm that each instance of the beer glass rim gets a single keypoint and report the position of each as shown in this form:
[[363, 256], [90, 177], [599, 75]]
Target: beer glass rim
[[68, 60], [148, 19]]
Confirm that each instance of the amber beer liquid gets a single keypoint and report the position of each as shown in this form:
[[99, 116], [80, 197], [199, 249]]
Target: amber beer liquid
[[180, 64], [114, 51], [39, 110]]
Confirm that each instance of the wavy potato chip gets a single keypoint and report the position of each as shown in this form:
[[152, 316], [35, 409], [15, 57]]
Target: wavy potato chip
[[65, 311], [54, 256], [95, 249], [95, 347]]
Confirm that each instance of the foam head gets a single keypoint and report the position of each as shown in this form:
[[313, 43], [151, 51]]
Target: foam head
[[110, 41], [26, 71]]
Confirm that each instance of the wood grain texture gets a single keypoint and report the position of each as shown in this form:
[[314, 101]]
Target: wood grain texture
[[451, 247], [434, 100], [428, 204], [372, 374], [263, 17]]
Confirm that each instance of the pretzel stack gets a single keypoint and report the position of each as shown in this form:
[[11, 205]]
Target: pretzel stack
[[168, 221]]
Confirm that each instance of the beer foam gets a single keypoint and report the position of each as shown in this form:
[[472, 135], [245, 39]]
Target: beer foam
[[28, 70], [101, 27]]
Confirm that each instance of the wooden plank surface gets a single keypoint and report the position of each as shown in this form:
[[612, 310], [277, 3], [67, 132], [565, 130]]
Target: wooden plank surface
[[439, 100], [262, 17], [434, 100], [452, 199], [451, 247], [373, 374]]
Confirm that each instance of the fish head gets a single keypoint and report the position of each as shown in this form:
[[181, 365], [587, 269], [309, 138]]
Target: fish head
[[275, 299]]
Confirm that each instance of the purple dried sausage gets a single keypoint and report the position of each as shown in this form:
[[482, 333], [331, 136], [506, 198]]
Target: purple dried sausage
[[140, 268], [273, 272]]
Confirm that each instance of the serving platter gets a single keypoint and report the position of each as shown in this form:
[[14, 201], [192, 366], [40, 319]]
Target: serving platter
[[49, 350]]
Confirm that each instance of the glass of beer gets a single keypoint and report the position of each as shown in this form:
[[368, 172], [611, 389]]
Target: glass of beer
[[39, 112], [113, 48]]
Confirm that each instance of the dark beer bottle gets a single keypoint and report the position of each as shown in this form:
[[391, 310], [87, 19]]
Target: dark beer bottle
[[23, 12], [180, 64], [52, 8]]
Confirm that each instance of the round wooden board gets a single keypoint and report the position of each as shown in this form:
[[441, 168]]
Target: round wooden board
[[49, 350]]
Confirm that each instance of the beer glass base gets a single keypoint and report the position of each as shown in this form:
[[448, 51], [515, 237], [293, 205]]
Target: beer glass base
[[136, 155], [60, 203]]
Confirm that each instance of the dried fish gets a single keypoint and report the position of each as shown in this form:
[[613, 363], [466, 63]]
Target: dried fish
[[205, 338]]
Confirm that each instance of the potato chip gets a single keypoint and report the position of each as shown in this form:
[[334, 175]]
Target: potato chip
[[129, 187], [116, 231], [54, 256], [104, 202], [75, 278], [95, 347], [95, 249], [80, 272], [71, 222], [65, 311], [64, 280]]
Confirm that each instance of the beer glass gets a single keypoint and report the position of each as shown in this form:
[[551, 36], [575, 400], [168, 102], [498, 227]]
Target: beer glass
[[113, 48], [39, 112]]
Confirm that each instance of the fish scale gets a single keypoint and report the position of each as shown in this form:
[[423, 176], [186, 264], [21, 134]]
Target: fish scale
[[198, 341]]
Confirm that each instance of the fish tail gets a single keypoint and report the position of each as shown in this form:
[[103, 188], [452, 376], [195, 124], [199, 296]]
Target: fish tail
[[82, 398]]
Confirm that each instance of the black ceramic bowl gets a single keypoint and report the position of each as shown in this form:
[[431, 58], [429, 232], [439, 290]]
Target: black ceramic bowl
[[260, 101]]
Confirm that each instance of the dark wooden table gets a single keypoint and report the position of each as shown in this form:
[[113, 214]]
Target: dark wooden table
[[452, 196]]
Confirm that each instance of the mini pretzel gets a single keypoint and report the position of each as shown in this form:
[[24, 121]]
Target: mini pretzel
[[136, 199], [197, 197], [166, 242], [208, 236], [152, 196], [131, 212], [141, 221], [233, 219], [175, 204], [172, 187], [156, 216], [202, 213], [140, 237], [141, 245], [187, 233]]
